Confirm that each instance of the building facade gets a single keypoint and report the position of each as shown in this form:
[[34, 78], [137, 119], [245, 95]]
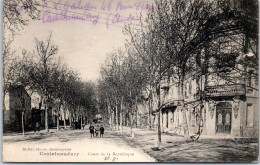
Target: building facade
[[16, 101], [221, 109], [218, 103]]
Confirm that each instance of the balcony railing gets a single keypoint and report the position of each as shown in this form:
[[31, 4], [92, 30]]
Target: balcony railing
[[169, 102], [225, 90]]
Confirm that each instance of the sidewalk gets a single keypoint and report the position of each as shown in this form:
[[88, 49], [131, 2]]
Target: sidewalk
[[29, 135], [176, 148]]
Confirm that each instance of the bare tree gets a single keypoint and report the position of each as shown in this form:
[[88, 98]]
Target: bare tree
[[42, 70], [14, 21], [173, 38]]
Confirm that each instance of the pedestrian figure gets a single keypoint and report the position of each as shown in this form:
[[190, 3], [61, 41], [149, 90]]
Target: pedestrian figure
[[37, 127], [102, 130], [91, 129], [97, 130], [83, 125]]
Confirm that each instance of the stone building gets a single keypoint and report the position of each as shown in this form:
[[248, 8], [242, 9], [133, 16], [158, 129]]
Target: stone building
[[38, 110], [220, 108], [223, 102], [17, 100]]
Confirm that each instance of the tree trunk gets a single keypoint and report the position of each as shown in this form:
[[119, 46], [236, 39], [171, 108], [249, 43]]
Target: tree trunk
[[159, 116], [110, 116], [131, 124], [140, 121], [81, 124], [183, 109], [23, 122], [161, 121], [149, 115], [46, 118], [158, 91], [113, 119], [4, 94], [58, 120], [121, 115], [117, 126], [128, 117], [159, 130], [85, 119], [110, 120], [64, 111], [136, 118], [58, 124], [125, 119], [121, 121], [136, 112], [70, 119]]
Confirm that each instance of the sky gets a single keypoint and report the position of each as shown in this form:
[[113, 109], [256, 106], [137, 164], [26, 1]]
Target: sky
[[83, 44]]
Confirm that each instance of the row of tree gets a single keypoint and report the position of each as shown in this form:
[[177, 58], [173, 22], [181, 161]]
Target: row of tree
[[121, 86], [173, 40], [41, 70]]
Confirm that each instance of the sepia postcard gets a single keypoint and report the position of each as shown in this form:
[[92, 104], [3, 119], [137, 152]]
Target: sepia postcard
[[130, 81]]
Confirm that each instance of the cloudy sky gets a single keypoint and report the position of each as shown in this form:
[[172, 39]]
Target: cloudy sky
[[83, 44]]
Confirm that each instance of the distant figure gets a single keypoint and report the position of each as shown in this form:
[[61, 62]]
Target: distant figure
[[83, 125], [97, 130], [91, 129], [102, 130], [73, 126], [37, 127]]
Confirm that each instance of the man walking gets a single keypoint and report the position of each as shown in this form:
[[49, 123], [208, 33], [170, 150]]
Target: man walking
[[102, 130], [97, 130], [91, 129]]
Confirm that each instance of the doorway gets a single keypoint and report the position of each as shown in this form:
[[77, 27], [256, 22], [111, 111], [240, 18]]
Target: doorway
[[223, 117]]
